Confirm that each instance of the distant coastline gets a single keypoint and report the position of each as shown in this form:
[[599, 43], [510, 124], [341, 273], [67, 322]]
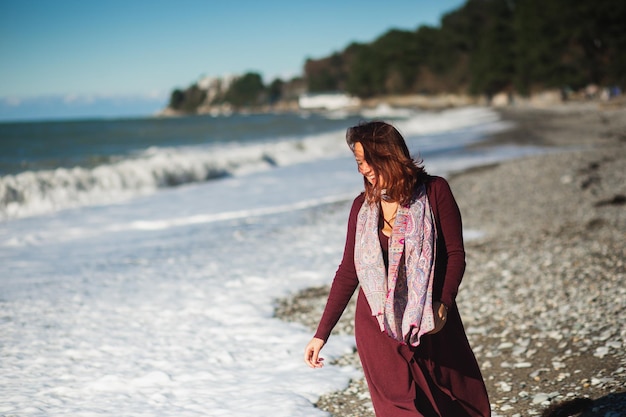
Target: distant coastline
[[485, 53], [544, 99]]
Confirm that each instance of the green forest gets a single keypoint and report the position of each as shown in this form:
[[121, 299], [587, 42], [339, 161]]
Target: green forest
[[482, 48]]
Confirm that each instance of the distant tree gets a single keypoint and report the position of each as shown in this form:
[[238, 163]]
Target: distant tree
[[246, 90], [433, 50], [188, 100], [492, 62], [326, 74], [441, 67], [275, 90], [541, 40], [569, 43], [367, 76], [601, 35], [176, 99], [398, 61]]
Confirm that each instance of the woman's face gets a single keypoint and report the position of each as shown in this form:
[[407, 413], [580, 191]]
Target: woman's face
[[364, 168]]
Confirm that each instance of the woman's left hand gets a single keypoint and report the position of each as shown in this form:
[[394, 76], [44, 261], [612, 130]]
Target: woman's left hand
[[440, 311]]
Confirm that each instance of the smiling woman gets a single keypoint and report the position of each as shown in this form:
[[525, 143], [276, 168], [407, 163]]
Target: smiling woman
[[404, 248], [364, 168]]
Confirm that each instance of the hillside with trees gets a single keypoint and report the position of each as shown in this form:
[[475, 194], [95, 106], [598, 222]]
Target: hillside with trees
[[482, 48]]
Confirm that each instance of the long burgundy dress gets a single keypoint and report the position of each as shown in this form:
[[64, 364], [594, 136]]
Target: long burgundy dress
[[440, 377]]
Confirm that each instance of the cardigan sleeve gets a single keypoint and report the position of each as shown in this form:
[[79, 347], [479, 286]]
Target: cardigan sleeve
[[450, 228], [345, 281]]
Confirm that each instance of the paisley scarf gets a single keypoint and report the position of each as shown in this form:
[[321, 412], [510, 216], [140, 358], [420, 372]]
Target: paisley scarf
[[400, 298]]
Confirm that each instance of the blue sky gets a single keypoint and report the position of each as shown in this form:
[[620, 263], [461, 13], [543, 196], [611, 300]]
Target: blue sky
[[60, 58]]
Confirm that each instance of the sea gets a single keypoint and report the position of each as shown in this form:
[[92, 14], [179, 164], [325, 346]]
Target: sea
[[141, 260]]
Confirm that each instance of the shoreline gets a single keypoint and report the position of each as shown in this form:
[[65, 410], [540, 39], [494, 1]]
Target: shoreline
[[542, 298]]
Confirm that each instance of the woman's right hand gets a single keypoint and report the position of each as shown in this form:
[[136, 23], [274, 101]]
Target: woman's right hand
[[312, 353]]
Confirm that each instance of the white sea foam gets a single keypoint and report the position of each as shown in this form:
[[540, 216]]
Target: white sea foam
[[32, 193], [449, 120], [163, 305]]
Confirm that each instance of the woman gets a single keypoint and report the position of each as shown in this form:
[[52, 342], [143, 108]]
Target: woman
[[404, 247]]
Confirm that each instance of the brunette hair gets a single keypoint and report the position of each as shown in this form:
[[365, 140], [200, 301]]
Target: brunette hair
[[386, 152]]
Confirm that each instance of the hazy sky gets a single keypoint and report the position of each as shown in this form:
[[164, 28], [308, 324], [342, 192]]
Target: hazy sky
[[85, 48]]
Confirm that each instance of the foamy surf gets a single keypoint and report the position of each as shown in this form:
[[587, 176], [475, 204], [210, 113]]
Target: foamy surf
[[45, 191]]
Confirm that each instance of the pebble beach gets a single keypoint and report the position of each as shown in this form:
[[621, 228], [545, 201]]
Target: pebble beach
[[543, 298]]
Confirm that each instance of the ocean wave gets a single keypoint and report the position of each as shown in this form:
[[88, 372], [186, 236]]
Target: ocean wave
[[39, 192]]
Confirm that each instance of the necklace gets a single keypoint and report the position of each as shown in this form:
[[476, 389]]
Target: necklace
[[391, 219]]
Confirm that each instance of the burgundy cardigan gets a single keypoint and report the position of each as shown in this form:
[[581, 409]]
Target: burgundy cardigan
[[449, 263]]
